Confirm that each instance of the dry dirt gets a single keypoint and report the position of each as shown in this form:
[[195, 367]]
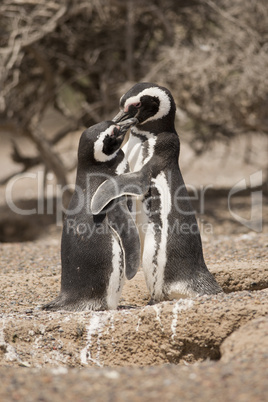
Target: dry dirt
[[208, 348]]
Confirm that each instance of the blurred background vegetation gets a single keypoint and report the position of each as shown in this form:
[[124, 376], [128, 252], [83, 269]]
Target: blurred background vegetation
[[77, 57]]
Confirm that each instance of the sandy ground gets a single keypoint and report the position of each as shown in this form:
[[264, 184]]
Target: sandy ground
[[180, 350], [209, 348]]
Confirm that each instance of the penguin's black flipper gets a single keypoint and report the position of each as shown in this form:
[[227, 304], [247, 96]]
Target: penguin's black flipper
[[137, 183], [122, 223]]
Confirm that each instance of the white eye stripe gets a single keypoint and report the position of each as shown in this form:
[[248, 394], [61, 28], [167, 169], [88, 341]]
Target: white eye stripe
[[164, 106], [131, 101], [99, 155]]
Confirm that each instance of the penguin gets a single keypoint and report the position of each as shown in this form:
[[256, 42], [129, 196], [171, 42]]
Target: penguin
[[172, 255], [97, 251]]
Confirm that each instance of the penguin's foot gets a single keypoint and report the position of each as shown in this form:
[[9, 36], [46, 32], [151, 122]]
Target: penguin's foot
[[207, 285], [56, 304], [128, 307], [152, 302], [203, 283], [61, 303]]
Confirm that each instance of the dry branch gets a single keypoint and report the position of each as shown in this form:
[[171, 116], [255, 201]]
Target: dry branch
[[78, 57]]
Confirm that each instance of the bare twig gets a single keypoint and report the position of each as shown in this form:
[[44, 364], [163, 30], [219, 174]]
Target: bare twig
[[78, 57], [130, 39]]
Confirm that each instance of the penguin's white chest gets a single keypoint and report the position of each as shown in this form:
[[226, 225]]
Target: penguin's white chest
[[156, 237], [137, 151], [117, 278]]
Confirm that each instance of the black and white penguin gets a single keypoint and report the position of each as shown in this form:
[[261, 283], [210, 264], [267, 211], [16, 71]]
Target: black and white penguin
[[172, 256], [97, 252]]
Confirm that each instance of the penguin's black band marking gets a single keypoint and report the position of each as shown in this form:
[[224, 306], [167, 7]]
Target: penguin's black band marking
[[142, 137], [121, 221]]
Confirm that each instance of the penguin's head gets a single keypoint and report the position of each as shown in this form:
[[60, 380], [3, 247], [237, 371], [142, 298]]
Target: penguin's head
[[150, 104], [101, 142]]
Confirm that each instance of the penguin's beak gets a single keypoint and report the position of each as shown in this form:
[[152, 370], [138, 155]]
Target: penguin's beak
[[123, 116], [125, 125]]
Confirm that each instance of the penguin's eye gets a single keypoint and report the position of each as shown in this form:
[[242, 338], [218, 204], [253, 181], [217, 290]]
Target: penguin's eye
[[136, 105]]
